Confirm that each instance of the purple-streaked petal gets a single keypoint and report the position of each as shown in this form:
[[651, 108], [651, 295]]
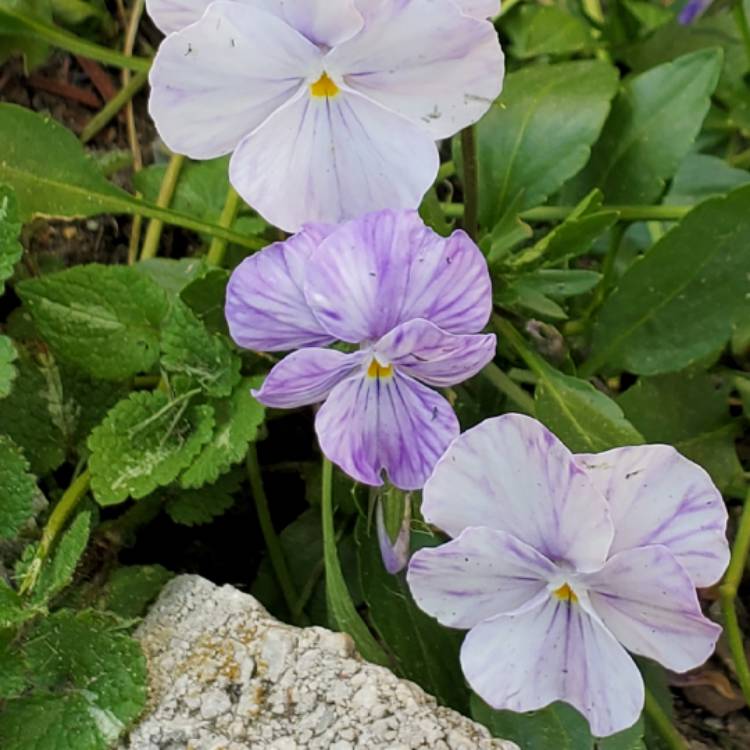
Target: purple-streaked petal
[[480, 574], [424, 351], [331, 158], [648, 602], [554, 651], [657, 496], [395, 555], [387, 268], [266, 307], [173, 15], [323, 22], [512, 474], [425, 60], [216, 80], [392, 423], [479, 8], [306, 377]]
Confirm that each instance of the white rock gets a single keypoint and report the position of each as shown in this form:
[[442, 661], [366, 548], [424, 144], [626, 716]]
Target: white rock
[[225, 674]]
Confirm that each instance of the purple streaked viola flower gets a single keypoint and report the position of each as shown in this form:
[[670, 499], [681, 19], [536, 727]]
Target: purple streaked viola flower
[[560, 564], [693, 10], [411, 300], [330, 108]]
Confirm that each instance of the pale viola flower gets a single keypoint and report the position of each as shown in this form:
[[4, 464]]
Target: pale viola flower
[[330, 108], [561, 564], [410, 300]]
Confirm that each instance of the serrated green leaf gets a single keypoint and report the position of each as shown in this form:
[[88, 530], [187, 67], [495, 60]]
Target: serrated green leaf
[[540, 131], [653, 124], [10, 230], [8, 356], [189, 349], [17, 489], [104, 319], [58, 572], [144, 443], [13, 667], [237, 420], [89, 684], [196, 507], [546, 30], [13, 610], [679, 303], [205, 297], [131, 589]]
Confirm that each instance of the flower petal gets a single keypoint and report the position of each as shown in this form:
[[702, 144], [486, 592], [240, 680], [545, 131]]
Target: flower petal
[[393, 423], [394, 554], [324, 22], [387, 268], [512, 474], [424, 351], [216, 80], [305, 377], [173, 15], [425, 60], [332, 158], [266, 308], [479, 8], [657, 496], [648, 602], [554, 651], [480, 574]]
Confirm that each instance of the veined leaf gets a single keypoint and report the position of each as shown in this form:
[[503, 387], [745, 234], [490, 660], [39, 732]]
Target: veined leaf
[[17, 489]]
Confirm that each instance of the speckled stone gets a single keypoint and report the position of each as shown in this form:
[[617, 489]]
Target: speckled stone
[[225, 675]]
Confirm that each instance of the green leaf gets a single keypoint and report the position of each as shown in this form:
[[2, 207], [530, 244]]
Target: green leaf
[[13, 666], [546, 30], [652, 126], [205, 297], [89, 684], [17, 489], [13, 612], [14, 37], [701, 176], [237, 420], [425, 651], [689, 410], [10, 230], [8, 373], [58, 573], [172, 275], [557, 727], [539, 132], [105, 319], [196, 507], [144, 443], [131, 589], [629, 739], [188, 348], [678, 304]]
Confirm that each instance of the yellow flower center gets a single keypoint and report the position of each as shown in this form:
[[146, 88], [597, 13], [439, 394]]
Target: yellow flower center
[[324, 87], [376, 370], [566, 594]]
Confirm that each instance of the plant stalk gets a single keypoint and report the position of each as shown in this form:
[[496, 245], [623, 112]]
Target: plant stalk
[[218, 247], [113, 106], [471, 181], [150, 247], [662, 723], [514, 392], [560, 213]]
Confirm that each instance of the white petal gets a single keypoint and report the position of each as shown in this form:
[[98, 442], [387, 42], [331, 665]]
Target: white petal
[[173, 15], [426, 60], [554, 651], [510, 473], [657, 496], [647, 600], [324, 22], [328, 159], [216, 80], [480, 574], [479, 8]]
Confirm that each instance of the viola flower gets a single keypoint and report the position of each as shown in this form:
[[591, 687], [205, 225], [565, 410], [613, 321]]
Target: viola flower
[[330, 108], [559, 563], [409, 298], [692, 11]]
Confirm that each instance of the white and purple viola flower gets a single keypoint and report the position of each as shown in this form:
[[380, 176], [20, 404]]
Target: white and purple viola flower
[[410, 301], [330, 108], [560, 564]]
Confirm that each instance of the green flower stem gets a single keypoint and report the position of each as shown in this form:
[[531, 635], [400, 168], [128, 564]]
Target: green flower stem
[[114, 105], [559, 213], [740, 18], [508, 332], [608, 271], [447, 169], [662, 723], [218, 247], [728, 593], [71, 43], [471, 181], [273, 543], [514, 392], [150, 247], [55, 524]]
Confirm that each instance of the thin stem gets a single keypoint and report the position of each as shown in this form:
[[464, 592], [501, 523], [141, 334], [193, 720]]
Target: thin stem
[[508, 331], [447, 169], [559, 213], [471, 181], [166, 191], [55, 524], [505, 385], [608, 271], [218, 247], [728, 593], [114, 105], [661, 722], [741, 20], [273, 543], [71, 43]]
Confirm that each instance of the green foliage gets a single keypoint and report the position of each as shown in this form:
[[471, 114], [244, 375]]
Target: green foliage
[[10, 230], [203, 505], [546, 30], [131, 589], [17, 489], [7, 369]]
